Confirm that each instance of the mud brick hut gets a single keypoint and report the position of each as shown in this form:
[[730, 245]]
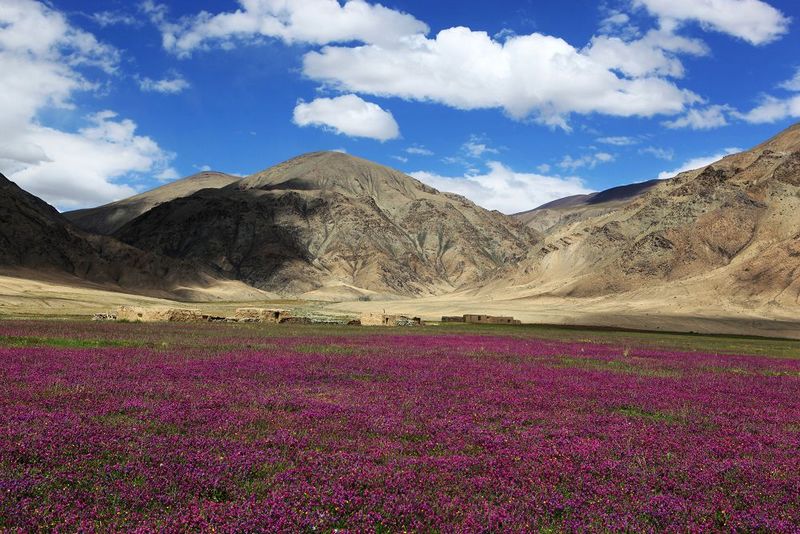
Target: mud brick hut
[[480, 319], [382, 319], [260, 315], [158, 314]]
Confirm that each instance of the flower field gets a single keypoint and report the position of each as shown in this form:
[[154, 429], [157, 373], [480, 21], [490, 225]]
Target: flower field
[[143, 428]]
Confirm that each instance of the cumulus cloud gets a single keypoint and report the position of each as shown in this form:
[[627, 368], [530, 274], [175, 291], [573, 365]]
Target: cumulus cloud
[[67, 168], [754, 21], [772, 109], [654, 54], [348, 115], [169, 86], [80, 167], [698, 163], [505, 190], [292, 21], [701, 118], [369, 49], [532, 75], [589, 161]]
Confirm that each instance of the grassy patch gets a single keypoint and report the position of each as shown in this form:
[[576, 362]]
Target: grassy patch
[[637, 412], [29, 341], [325, 349], [261, 479], [614, 366], [711, 343]]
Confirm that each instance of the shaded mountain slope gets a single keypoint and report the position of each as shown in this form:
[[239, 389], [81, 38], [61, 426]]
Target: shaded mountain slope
[[328, 220], [34, 237], [109, 218]]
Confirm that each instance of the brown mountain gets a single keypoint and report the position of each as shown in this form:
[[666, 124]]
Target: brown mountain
[[726, 232], [36, 240], [111, 217], [568, 210], [327, 224]]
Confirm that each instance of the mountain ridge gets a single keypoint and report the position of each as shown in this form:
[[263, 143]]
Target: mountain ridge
[[111, 217]]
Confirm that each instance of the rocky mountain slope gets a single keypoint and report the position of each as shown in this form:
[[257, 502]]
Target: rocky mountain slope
[[568, 210], [109, 218], [329, 224], [38, 241], [728, 231]]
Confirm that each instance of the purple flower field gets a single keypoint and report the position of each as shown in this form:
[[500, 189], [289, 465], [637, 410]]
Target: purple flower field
[[391, 432]]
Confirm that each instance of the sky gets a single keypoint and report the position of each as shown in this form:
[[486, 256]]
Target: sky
[[509, 103]]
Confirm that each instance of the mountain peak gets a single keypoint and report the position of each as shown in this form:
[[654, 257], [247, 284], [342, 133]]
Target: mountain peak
[[336, 172]]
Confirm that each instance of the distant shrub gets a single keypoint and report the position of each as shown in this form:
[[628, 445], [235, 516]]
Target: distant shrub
[[364, 298]]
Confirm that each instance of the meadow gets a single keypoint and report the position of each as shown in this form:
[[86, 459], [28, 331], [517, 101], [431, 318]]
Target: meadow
[[249, 428]]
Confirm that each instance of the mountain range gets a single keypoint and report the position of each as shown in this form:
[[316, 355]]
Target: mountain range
[[330, 226]]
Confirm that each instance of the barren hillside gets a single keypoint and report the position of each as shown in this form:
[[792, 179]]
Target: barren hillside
[[727, 232], [328, 225]]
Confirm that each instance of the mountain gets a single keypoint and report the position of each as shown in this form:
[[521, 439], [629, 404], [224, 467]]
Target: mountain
[[726, 232], [109, 218], [575, 208], [330, 224], [36, 240]]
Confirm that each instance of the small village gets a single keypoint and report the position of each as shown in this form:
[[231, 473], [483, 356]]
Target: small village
[[158, 314]]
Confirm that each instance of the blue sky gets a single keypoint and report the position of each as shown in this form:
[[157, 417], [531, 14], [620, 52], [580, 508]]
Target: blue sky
[[512, 104]]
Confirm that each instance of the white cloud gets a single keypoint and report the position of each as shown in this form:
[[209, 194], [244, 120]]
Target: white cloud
[[772, 109], [388, 53], [505, 190], [614, 21], [47, 57], [80, 167], [401, 159], [169, 174], [701, 119], [793, 84], [169, 86], [618, 140], [544, 168], [292, 21], [751, 20], [660, 153], [532, 75], [419, 151], [477, 147], [114, 18], [348, 115], [697, 163], [589, 160], [653, 54]]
